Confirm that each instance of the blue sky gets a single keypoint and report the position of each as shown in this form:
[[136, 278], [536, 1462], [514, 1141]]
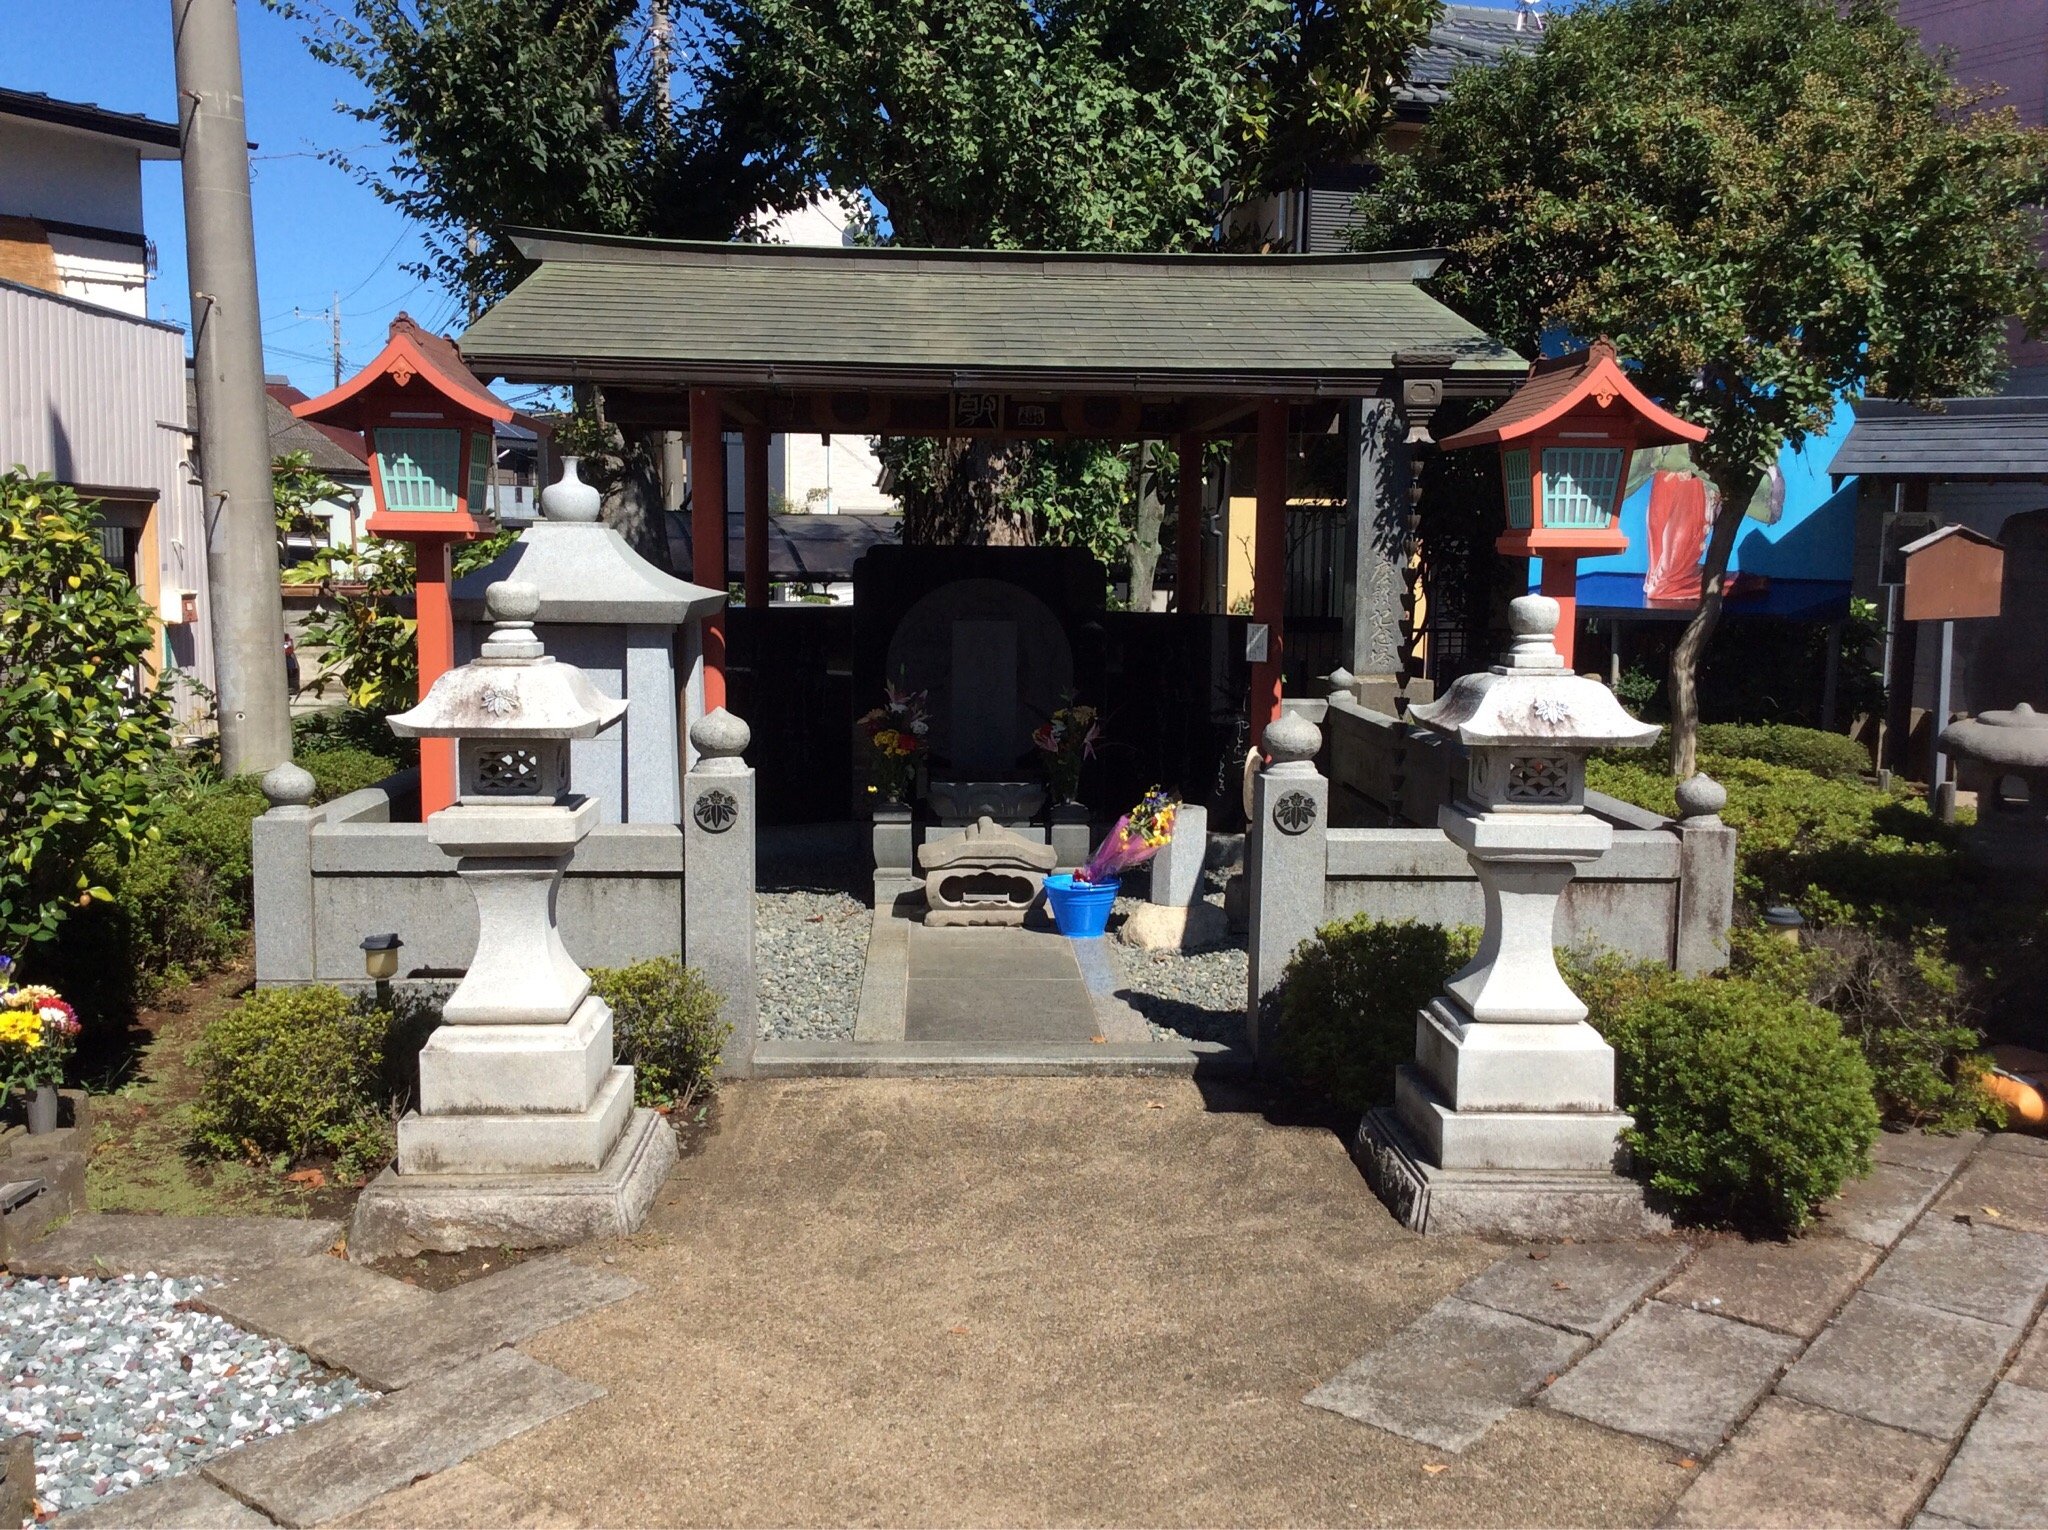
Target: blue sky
[[318, 232]]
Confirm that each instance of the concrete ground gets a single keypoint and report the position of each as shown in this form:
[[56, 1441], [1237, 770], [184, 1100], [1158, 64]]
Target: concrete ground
[[1027, 1301]]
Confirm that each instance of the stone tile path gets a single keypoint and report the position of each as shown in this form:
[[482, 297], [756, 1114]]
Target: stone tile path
[[1893, 1363], [454, 1385], [995, 985]]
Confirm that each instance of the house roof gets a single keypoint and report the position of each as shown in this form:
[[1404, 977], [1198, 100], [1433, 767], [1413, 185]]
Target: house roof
[[333, 449], [668, 312], [157, 140], [1463, 37], [815, 549], [1563, 385], [1962, 438]]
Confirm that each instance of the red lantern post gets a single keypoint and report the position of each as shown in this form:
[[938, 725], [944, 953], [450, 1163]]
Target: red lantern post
[[428, 420], [1565, 440]]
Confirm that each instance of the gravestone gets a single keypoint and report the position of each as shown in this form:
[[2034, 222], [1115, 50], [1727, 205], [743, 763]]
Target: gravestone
[[996, 662]]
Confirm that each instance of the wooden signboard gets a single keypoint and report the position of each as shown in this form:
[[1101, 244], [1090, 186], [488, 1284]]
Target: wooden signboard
[[1953, 574]]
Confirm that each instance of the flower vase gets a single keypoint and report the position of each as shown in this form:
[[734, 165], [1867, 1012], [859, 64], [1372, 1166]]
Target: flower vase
[[42, 1110]]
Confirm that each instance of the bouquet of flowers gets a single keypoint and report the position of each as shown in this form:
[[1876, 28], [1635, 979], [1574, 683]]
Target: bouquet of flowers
[[37, 1030], [895, 733], [1067, 738], [1135, 839]]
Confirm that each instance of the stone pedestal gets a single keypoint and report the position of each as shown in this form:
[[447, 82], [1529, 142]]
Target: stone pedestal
[[1072, 841], [987, 876]]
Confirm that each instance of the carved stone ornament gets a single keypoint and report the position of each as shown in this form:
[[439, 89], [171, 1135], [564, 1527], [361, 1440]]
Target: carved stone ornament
[[1294, 812], [716, 810]]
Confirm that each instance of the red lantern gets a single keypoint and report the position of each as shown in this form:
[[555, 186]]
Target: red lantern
[[429, 424], [1565, 441]]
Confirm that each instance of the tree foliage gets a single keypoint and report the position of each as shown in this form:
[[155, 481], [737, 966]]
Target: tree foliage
[[82, 744], [1768, 205], [296, 486]]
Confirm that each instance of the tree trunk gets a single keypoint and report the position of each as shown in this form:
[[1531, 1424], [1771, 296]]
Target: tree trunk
[[1692, 644], [1145, 531], [965, 502], [634, 506]]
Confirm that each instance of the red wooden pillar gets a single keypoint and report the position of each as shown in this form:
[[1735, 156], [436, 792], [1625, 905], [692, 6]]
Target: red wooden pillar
[[434, 632], [1561, 584], [707, 528], [1269, 563], [1189, 588], [755, 498]]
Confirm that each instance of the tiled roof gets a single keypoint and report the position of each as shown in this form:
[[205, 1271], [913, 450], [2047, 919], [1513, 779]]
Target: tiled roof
[[816, 549], [333, 449], [2002, 437], [1464, 37]]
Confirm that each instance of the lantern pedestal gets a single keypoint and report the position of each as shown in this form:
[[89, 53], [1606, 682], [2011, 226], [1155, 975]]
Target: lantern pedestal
[[1506, 1121]]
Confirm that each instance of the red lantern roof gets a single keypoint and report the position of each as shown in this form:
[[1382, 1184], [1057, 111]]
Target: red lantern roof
[[1584, 383], [412, 353]]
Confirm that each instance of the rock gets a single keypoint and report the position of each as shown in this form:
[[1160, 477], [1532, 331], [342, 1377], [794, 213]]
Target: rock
[[1158, 927]]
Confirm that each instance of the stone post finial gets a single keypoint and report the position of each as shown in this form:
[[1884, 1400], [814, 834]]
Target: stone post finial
[[1701, 798], [569, 498], [720, 739], [1339, 682], [512, 606], [1533, 620], [288, 785], [1291, 739]]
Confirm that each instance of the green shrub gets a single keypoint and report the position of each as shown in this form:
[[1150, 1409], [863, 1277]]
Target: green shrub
[[295, 1073], [1349, 999], [343, 769], [1832, 755], [351, 728], [1750, 1104], [665, 1022]]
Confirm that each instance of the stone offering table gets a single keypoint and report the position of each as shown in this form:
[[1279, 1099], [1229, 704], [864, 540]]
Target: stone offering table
[[988, 875]]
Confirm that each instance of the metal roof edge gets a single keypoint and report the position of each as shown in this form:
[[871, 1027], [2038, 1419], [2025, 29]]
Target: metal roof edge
[[83, 305], [568, 247]]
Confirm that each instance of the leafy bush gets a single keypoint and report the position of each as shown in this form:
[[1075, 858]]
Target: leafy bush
[[337, 772], [665, 1022], [1349, 999], [295, 1073], [1831, 755], [82, 745], [352, 728], [1750, 1105]]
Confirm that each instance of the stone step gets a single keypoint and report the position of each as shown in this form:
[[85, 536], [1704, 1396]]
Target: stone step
[[302, 1301], [343, 1462], [185, 1502], [1585, 1287], [2000, 1476], [462, 1496], [911, 1059], [472, 1320], [1792, 1287], [114, 1243], [1881, 1205], [1990, 1273], [1901, 1364], [1791, 1464]]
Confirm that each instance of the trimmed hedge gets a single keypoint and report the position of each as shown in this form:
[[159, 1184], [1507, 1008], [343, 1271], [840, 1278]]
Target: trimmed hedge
[[1834, 756], [666, 1023]]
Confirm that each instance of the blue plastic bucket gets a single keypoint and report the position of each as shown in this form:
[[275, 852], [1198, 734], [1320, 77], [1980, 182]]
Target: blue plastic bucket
[[1080, 909]]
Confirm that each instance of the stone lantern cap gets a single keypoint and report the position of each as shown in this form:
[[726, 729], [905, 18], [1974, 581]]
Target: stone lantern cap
[[2015, 740], [1530, 699], [512, 689]]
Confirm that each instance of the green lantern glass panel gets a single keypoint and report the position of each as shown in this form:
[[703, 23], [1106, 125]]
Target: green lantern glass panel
[[1578, 486], [421, 469], [479, 474], [1514, 468]]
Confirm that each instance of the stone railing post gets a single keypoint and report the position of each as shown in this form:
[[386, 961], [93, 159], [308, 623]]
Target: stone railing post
[[1706, 878], [719, 826], [1286, 858], [281, 858]]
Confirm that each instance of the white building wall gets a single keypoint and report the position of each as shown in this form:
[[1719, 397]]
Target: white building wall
[[69, 177], [97, 399]]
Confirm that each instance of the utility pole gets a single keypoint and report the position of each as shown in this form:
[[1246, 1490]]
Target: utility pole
[[334, 335], [227, 348]]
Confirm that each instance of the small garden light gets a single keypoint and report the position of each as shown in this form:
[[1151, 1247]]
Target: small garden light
[[380, 956], [1785, 922]]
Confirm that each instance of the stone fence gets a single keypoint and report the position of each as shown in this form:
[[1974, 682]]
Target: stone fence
[[1665, 891], [327, 876]]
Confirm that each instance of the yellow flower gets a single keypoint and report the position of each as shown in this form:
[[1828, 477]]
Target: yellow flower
[[21, 1028]]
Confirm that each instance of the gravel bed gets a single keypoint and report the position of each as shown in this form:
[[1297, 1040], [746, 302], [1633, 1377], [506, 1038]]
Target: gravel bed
[[813, 950], [1187, 996], [120, 1385]]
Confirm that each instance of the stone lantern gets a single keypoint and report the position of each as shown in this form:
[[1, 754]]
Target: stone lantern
[[1506, 1121], [525, 1133]]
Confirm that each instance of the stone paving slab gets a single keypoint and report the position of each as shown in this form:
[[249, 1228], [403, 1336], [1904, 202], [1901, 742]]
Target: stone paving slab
[[2030, 1367], [184, 1502], [1988, 1273], [2007, 1190], [1792, 1287], [1584, 1287], [1791, 1466], [301, 1301], [2023, 1143], [471, 1320], [1901, 1364], [1675, 1375], [1914, 1149], [1450, 1375], [464, 1497], [2000, 1476], [1925, 1521], [343, 1462], [115, 1243], [1878, 1207]]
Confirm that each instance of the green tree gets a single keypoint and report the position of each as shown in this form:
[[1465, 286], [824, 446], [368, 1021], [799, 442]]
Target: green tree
[[1768, 205], [85, 739], [296, 486]]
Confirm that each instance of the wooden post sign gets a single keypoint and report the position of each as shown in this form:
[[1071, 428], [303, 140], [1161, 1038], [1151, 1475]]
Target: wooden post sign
[[1954, 574]]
